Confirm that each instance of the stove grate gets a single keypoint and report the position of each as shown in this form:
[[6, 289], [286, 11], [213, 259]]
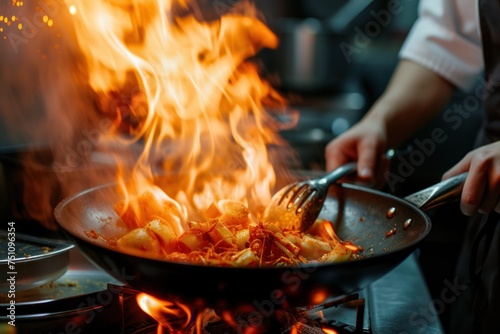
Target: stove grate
[[307, 320]]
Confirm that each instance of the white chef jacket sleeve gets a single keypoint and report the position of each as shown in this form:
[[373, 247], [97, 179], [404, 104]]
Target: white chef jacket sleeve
[[446, 39]]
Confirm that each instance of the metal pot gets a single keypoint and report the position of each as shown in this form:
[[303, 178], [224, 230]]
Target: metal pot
[[308, 58]]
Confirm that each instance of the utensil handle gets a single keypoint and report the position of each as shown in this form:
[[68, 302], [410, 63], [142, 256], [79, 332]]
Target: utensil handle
[[441, 193], [350, 167], [339, 172]]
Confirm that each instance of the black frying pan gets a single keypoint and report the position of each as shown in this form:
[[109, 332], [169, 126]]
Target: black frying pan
[[359, 214]]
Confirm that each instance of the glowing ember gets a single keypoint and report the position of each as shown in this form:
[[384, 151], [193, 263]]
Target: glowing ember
[[185, 89], [319, 297], [13, 16]]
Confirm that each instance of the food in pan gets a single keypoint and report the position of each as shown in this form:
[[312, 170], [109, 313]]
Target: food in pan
[[227, 236]]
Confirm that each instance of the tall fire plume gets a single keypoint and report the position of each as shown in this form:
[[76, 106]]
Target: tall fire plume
[[136, 89]]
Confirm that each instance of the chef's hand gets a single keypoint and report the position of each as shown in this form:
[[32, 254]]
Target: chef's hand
[[481, 192], [365, 143], [413, 97]]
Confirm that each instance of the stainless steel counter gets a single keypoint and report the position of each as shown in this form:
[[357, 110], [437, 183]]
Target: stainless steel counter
[[397, 303]]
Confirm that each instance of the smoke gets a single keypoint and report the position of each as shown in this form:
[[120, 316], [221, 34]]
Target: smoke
[[65, 129], [47, 110]]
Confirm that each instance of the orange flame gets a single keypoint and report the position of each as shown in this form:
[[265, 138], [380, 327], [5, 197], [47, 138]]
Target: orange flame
[[169, 315], [185, 89]]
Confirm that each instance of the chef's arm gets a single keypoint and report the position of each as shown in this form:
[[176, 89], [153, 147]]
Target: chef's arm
[[412, 98]]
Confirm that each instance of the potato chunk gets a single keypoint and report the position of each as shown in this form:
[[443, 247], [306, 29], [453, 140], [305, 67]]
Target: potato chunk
[[312, 248], [191, 241], [234, 213], [340, 253], [141, 239], [220, 234], [164, 233]]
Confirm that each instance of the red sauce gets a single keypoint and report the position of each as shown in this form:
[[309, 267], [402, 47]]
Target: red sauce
[[391, 232], [391, 212]]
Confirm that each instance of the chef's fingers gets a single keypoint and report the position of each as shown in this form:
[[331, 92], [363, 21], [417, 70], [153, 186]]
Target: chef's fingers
[[338, 153], [492, 191], [368, 159], [474, 184], [472, 193], [483, 182], [481, 191]]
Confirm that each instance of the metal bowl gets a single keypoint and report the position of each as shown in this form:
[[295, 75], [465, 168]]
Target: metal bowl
[[28, 262]]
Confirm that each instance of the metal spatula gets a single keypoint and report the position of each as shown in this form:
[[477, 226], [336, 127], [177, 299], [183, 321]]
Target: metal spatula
[[297, 206]]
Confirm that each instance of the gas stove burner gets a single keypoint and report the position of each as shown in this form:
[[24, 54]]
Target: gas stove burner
[[220, 327], [384, 306], [353, 302], [305, 320]]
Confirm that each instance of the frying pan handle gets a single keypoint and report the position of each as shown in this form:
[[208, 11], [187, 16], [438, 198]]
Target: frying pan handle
[[441, 193]]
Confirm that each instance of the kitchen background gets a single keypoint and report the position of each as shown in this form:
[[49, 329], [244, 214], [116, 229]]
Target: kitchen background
[[339, 73], [334, 59], [338, 87]]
